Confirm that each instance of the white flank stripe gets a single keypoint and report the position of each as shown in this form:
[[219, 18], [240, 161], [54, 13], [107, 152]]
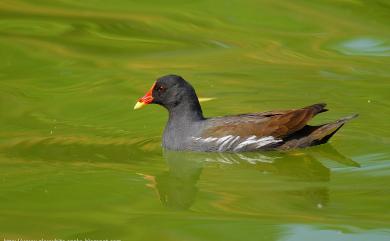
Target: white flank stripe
[[223, 139], [232, 142], [249, 141], [227, 142], [260, 142], [210, 139], [267, 140]]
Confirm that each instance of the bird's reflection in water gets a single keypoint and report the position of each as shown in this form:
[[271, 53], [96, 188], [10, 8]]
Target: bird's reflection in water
[[177, 187]]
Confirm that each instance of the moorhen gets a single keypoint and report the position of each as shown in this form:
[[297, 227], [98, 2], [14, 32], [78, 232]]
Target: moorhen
[[188, 129]]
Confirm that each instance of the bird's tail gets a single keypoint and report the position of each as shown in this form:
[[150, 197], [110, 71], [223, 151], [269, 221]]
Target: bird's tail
[[315, 135]]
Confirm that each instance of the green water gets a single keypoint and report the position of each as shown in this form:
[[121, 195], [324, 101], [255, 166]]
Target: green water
[[77, 162]]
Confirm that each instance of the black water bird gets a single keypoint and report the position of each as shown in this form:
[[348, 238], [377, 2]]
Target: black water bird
[[188, 129]]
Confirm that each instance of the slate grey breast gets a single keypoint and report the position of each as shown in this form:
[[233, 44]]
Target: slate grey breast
[[188, 129]]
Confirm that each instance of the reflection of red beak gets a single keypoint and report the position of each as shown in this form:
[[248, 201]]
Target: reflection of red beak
[[147, 99]]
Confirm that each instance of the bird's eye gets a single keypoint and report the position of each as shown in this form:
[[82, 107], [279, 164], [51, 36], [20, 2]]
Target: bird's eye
[[161, 89]]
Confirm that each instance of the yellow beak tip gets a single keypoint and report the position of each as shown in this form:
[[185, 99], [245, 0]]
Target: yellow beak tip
[[139, 105]]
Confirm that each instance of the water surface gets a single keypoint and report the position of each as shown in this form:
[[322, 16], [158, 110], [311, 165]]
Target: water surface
[[77, 162]]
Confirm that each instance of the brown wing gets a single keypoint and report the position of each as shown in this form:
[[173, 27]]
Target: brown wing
[[276, 124]]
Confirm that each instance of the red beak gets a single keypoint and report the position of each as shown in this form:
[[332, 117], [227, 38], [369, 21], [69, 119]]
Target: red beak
[[147, 99]]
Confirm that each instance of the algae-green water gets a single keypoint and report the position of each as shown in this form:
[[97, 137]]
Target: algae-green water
[[76, 162]]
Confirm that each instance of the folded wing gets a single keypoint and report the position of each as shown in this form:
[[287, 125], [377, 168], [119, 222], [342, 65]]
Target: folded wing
[[277, 124]]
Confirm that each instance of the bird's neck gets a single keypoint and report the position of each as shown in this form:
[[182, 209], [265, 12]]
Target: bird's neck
[[184, 121], [186, 112]]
